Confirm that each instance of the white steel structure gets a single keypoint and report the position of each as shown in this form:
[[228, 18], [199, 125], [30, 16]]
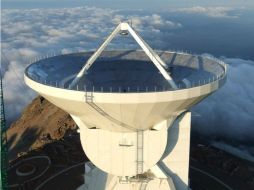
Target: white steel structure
[[149, 52], [131, 108]]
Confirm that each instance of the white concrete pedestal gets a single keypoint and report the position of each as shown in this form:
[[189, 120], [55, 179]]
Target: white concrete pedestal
[[96, 179], [170, 172]]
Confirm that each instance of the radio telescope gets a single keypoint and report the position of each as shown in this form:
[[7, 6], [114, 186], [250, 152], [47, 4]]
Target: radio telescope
[[131, 108]]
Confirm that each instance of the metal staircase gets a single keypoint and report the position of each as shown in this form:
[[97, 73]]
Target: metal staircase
[[89, 100], [4, 161], [140, 148]]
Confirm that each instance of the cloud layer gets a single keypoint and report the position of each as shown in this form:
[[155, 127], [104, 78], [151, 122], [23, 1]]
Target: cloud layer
[[226, 117], [216, 12]]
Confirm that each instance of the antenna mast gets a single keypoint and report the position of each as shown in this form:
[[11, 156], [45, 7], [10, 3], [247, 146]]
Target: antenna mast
[[3, 146]]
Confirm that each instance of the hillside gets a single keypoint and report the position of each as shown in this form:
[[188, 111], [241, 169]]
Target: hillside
[[40, 123]]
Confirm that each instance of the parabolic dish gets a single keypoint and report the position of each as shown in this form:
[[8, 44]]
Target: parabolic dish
[[126, 89]]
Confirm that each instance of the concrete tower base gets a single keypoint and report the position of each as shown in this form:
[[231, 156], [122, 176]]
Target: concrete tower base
[[96, 179], [170, 173]]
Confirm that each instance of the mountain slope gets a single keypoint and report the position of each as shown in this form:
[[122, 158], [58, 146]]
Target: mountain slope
[[40, 123]]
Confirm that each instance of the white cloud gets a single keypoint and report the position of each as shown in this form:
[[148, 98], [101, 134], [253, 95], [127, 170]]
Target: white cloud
[[16, 93], [217, 12], [228, 114], [153, 21], [29, 53], [55, 32]]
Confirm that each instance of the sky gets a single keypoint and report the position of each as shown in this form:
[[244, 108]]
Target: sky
[[224, 29], [126, 4]]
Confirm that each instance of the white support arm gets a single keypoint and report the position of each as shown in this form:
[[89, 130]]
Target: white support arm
[[147, 49], [96, 54], [151, 50], [151, 54]]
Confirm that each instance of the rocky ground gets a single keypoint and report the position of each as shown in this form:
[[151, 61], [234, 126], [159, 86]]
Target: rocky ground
[[40, 123], [44, 129]]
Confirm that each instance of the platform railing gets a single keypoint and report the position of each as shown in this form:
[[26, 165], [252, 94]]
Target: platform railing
[[128, 89], [180, 52]]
